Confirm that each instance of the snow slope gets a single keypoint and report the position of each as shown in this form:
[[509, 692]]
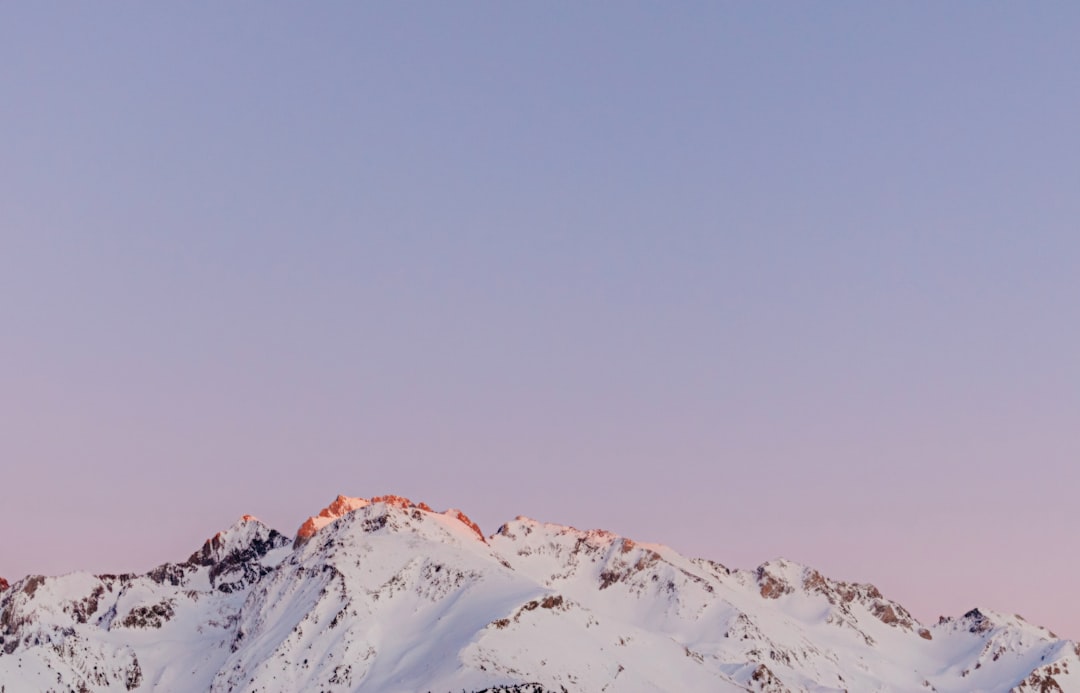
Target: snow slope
[[385, 595]]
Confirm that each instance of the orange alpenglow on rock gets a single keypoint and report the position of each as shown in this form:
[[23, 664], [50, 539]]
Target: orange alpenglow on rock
[[341, 506], [344, 505], [463, 518]]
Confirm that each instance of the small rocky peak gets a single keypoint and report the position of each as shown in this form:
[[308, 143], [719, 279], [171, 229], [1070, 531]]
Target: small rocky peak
[[233, 556], [248, 539], [777, 577], [994, 624], [3, 584], [520, 525], [975, 621]]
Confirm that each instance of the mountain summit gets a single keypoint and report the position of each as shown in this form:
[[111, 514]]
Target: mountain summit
[[384, 594], [343, 505]]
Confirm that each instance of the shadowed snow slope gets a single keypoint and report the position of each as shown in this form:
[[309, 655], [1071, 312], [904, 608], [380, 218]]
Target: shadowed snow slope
[[383, 594]]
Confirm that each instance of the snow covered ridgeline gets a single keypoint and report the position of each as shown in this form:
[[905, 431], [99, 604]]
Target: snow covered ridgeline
[[383, 594]]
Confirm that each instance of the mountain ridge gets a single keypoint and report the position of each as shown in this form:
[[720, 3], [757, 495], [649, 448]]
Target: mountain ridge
[[384, 594]]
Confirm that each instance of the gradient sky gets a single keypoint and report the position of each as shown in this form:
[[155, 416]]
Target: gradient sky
[[748, 279]]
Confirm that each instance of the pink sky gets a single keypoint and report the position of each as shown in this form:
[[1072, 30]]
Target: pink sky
[[748, 281]]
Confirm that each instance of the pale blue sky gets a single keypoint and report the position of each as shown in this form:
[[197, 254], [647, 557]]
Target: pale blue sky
[[747, 279]]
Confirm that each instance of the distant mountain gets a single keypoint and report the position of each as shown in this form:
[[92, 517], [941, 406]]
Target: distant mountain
[[386, 595]]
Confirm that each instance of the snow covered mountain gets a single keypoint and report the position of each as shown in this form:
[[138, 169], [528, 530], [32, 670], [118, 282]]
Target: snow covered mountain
[[383, 594]]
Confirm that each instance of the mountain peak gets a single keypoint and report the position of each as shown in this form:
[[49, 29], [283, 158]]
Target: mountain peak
[[245, 532], [980, 621], [780, 577], [396, 596], [343, 505], [234, 556]]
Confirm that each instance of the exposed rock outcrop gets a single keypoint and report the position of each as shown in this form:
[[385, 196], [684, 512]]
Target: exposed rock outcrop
[[343, 505]]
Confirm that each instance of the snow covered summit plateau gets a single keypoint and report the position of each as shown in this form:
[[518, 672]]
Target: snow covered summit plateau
[[382, 594]]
